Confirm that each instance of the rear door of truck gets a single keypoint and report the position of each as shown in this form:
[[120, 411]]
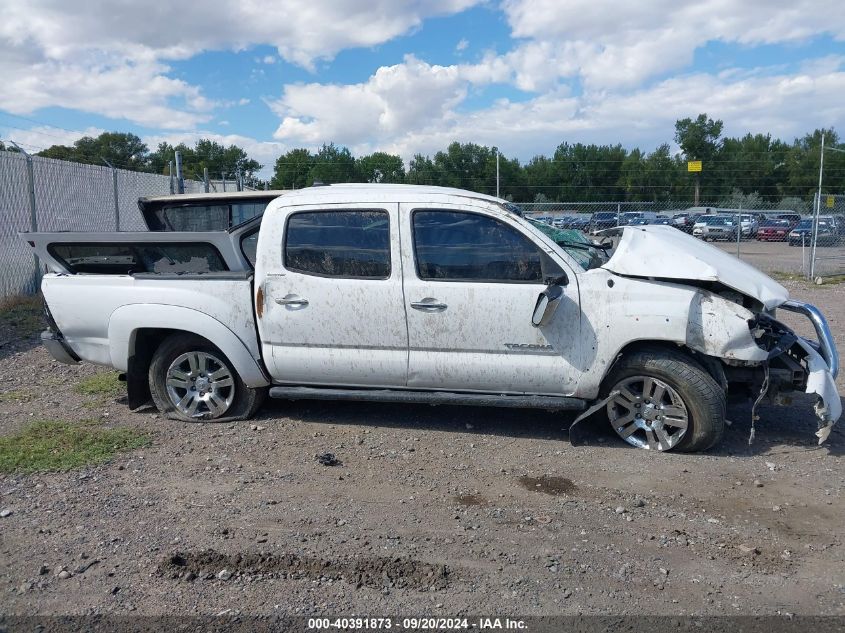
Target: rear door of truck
[[329, 301]]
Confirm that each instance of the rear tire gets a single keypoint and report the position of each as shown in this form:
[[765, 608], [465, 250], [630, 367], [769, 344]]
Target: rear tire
[[677, 405], [192, 380]]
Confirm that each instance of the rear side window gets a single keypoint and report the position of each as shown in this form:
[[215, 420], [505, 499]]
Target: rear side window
[[349, 244], [459, 246], [125, 259]]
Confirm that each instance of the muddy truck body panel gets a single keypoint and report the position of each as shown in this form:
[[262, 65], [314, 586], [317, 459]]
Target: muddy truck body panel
[[424, 294]]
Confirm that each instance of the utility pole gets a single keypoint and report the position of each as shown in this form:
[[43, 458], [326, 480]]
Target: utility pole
[[497, 172], [816, 215], [116, 199], [180, 181]]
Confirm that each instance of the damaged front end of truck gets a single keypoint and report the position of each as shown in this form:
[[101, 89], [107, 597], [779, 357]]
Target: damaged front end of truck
[[733, 322], [795, 363]]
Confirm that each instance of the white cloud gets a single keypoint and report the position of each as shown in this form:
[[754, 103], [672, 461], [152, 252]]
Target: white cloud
[[462, 45], [41, 137], [619, 44], [395, 98], [110, 58], [371, 115]]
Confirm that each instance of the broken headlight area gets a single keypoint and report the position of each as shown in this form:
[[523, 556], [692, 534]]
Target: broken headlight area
[[793, 364]]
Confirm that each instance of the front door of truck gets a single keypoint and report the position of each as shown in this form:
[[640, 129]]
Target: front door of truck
[[471, 284], [330, 283]]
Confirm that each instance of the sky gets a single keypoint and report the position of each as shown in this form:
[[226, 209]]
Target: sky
[[412, 76]]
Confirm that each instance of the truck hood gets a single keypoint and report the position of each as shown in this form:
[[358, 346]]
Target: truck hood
[[664, 252]]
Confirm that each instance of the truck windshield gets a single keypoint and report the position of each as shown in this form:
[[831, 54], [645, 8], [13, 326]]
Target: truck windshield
[[575, 243]]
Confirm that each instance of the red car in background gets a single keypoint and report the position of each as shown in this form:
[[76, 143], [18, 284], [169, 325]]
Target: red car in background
[[774, 230]]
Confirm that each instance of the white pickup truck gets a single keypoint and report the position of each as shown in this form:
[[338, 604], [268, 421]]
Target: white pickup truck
[[421, 294]]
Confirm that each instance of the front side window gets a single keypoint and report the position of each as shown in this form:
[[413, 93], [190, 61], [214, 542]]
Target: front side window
[[349, 244], [459, 246]]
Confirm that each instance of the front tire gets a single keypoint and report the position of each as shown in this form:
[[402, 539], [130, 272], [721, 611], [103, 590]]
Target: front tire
[[192, 380], [666, 402]]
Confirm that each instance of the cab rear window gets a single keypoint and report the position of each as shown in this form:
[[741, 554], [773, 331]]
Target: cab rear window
[[129, 258]]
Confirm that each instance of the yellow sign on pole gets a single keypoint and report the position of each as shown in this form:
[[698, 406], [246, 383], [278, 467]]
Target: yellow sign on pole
[[830, 202], [694, 165]]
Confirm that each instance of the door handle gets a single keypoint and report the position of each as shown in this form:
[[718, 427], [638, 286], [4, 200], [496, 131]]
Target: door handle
[[292, 300], [429, 304]]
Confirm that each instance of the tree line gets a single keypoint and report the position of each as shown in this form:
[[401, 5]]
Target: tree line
[[752, 169]]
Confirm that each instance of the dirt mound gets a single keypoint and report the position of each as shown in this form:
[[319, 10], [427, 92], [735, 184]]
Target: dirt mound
[[376, 572]]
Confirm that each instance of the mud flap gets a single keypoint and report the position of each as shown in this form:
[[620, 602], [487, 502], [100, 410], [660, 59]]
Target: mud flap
[[574, 439]]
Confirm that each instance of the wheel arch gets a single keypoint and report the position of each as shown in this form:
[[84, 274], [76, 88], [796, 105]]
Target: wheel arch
[[711, 365], [136, 331]]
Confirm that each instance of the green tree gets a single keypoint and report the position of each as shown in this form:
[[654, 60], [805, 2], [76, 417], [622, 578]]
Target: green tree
[[333, 164], [292, 170], [221, 161], [467, 166], [700, 140], [381, 167], [802, 166], [540, 178], [421, 171], [121, 149], [753, 163], [589, 172]]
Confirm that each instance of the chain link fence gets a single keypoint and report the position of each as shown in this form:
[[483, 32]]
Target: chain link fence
[[43, 194], [828, 246], [792, 237]]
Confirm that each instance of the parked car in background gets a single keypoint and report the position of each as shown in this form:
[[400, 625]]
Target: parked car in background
[[545, 219], [634, 218], [774, 230], [716, 227], [749, 224], [662, 220], [603, 220], [792, 218], [803, 232], [685, 221], [581, 222]]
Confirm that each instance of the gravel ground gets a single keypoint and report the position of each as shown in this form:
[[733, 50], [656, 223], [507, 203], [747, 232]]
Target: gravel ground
[[430, 511], [782, 258]]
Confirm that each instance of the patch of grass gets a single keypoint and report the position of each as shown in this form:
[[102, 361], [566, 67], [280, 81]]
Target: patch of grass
[[11, 396], [103, 384], [825, 281], [23, 315], [784, 276], [53, 445]]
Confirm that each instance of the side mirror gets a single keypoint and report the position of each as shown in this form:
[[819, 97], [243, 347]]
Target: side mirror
[[546, 305]]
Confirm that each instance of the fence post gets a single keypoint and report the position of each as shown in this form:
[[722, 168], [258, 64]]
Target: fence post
[[205, 179], [223, 176], [170, 171], [180, 180], [116, 199], [33, 215]]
